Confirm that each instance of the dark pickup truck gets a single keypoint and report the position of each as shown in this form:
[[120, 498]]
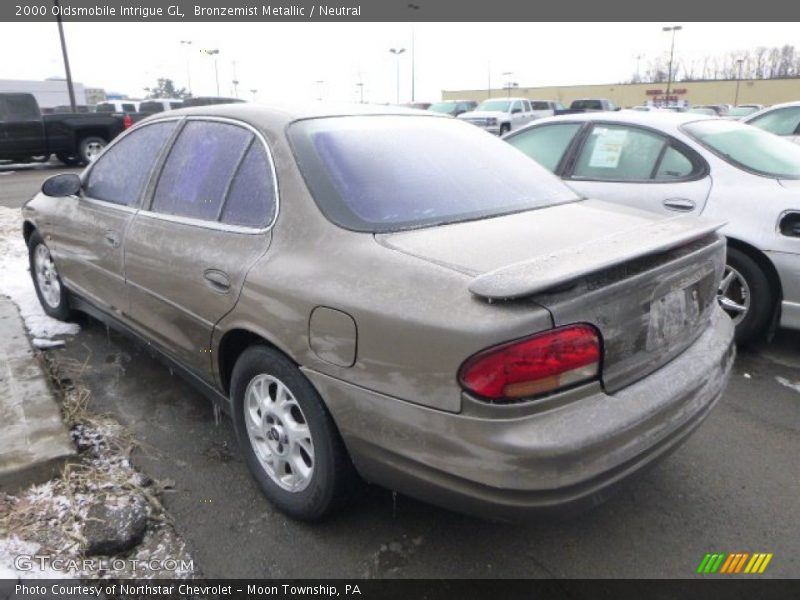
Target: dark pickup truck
[[588, 105], [75, 138]]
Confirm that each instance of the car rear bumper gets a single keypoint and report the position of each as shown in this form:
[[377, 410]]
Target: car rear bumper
[[568, 456]]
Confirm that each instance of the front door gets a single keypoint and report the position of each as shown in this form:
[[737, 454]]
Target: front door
[[88, 244], [21, 127], [187, 256]]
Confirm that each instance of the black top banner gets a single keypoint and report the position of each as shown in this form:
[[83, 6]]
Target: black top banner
[[395, 10]]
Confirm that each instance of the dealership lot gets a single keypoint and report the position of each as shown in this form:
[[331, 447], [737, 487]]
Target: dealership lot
[[732, 488]]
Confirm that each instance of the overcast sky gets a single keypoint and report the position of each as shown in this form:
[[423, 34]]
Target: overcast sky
[[284, 61]]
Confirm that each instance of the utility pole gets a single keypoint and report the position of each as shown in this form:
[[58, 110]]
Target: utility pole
[[739, 62], [187, 44], [673, 29], [214, 53], [397, 52], [70, 88]]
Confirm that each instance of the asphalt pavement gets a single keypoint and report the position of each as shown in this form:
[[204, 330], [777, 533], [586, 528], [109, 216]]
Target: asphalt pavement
[[733, 487]]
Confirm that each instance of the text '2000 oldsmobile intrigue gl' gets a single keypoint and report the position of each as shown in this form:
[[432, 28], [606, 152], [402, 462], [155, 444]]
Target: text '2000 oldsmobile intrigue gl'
[[395, 295]]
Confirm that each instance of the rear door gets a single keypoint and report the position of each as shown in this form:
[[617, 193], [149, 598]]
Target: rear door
[[91, 228], [21, 127], [638, 167], [209, 220]]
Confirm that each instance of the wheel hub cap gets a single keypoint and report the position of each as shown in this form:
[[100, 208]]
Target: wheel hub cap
[[46, 276], [734, 295]]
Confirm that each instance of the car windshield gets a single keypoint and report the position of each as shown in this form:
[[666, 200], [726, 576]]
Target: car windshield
[[748, 147], [498, 105], [387, 173], [447, 108], [590, 104], [741, 111]]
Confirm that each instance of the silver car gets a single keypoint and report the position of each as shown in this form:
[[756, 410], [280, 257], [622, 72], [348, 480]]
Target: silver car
[[687, 163]]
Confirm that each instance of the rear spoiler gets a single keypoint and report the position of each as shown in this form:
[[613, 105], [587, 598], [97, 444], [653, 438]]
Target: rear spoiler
[[539, 274]]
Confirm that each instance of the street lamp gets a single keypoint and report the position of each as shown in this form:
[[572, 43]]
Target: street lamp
[[638, 58], [673, 29], [739, 62], [254, 92], [70, 88], [413, 6], [319, 83], [214, 53], [397, 52], [508, 84], [187, 44], [360, 86]]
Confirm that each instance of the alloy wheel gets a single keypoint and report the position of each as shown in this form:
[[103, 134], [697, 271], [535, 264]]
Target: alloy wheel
[[47, 276], [734, 295]]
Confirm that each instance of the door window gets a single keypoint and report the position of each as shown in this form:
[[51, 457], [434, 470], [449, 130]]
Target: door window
[[121, 173], [783, 121], [199, 169], [547, 144], [619, 153], [251, 198]]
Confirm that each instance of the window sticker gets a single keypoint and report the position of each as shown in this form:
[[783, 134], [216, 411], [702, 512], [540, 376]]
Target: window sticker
[[607, 148]]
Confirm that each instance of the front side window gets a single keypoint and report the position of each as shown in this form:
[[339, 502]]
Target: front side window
[[387, 173], [546, 144], [517, 106], [621, 153], [781, 121], [122, 171], [199, 168], [748, 147]]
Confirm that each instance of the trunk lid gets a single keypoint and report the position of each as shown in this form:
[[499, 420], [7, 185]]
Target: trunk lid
[[648, 283]]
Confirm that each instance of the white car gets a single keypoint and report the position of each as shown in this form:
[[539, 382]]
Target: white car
[[500, 115], [687, 163], [780, 119], [118, 106]]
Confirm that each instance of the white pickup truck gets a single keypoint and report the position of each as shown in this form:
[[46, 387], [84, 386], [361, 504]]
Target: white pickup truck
[[501, 115]]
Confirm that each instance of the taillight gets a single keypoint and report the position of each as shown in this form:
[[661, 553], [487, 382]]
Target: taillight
[[127, 121], [535, 365]]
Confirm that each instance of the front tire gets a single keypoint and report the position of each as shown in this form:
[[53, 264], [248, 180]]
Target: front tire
[[504, 129], [70, 161], [52, 294], [746, 295], [288, 439]]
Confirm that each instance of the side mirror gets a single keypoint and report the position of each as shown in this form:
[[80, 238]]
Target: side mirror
[[63, 184], [516, 110]]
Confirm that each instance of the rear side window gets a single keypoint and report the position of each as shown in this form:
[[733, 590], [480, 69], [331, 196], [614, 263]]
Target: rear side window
[[546, 144], [251, 198], [19, 107], [129, 107], [540, 105], [619, 153], [199, 168], [120, 174], [151, 107], [674, 165], [782, 121]]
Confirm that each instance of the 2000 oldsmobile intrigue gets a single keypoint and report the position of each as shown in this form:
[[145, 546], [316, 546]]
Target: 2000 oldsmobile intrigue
[[393, 294]]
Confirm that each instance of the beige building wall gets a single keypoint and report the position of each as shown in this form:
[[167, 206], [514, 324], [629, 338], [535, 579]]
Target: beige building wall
[[751, 91]]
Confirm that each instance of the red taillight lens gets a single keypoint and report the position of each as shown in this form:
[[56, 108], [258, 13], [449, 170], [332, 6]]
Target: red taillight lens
[[127, 121], [535, 365]]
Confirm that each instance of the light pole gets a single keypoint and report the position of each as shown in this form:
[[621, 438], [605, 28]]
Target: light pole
[[319, 83], [214, 53], [739, 62], [413, 6], [254, 92], [397, 52], [235, 81], [673, 29], [508, 84], [70, 89], [187, 44], [360, 86], [638, 58]]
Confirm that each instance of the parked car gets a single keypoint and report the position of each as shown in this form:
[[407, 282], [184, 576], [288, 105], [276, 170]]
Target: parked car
[[588, 105], [545, 108], [118, 106], [684, 163], [417, 105], [740, 112], [500, 115], [156, 105], [703, 110], [463, 331], [721, 110], [453, 107], [780, 119], [26, 134]]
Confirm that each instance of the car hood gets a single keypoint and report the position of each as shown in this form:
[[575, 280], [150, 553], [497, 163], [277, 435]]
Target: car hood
[[482, 114], [529, 252]]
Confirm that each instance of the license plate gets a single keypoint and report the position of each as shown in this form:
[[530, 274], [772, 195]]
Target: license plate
[[672, 316]]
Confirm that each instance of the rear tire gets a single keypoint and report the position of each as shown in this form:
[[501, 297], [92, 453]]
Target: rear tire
[[289, 441], [747, 296], [52, 294], [89, 148]]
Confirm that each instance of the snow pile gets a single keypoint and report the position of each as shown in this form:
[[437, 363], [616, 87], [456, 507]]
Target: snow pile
[[16, 280]]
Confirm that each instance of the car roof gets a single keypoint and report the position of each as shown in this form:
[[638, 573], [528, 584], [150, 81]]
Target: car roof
[[274, 116]]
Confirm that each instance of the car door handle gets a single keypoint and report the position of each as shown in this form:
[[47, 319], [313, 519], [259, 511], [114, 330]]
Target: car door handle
[[219, 281], [680, 204], [112, 237]]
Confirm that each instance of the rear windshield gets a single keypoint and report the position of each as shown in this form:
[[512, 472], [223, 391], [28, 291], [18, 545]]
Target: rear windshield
[[386, 173], [151, 107], [748, 147], [590, 104]]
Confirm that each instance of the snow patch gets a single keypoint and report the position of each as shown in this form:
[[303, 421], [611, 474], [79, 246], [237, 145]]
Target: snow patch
[[792, 385], [16, 281]]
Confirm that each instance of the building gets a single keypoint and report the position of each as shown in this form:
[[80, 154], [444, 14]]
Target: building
[[95, 95], [49, 93], [751, 91]]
